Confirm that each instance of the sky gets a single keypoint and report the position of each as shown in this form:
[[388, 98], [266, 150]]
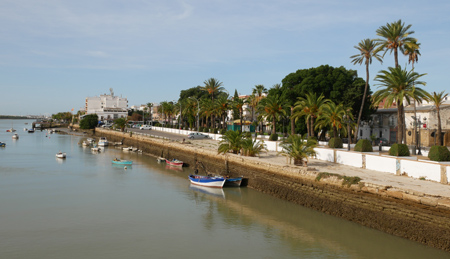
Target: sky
[[55, 53]]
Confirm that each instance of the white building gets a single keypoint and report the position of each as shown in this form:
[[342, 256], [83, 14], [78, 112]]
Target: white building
[[107, 106]]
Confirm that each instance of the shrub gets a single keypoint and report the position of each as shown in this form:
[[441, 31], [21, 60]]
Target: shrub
[[439, 153], [206, 129], [364, 145], [399, 150], [335, 143], [222, 131], [273, 137]]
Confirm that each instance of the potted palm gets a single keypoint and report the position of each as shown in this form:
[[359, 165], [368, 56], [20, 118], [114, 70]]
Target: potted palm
[[298, 148]]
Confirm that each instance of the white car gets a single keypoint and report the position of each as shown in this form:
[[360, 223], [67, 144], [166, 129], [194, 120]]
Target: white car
[[196, 135], [145, 127]]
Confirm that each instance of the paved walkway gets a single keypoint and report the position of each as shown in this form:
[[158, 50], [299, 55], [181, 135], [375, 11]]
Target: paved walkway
[[368, 176]]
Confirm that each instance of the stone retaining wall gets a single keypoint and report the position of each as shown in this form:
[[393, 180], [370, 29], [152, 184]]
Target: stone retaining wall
[[403, 213]]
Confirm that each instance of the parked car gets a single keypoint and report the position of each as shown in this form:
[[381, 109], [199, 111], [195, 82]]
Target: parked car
[[145, 127], [197, 135], [384, 142]]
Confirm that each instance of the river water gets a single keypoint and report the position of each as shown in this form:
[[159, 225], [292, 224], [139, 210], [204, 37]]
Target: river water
[[84, 207]]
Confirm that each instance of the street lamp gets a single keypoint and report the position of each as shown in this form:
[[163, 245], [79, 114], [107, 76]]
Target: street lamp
[[198, 113]]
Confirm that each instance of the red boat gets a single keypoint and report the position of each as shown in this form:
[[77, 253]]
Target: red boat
[[174, 162]]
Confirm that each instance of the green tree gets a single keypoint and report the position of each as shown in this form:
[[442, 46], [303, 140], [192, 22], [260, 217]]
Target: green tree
[[337, 84], [438, 99], [413, 54], [272, 108], [331, 115], [252, 147], [395, 37], [398, 85], [89, 121], [297, 147], [230, 142], [366, 50], [121, 123], [309, 106]]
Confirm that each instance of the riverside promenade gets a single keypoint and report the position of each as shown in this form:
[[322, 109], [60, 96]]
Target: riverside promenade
[[407, 207], [424, 191]]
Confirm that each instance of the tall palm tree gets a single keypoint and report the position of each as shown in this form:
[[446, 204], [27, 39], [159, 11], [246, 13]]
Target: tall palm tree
[[398, 85], [309, 107], [331, 115], [438, 99], [239, 104], [395, 37], [413, 54], [223, 105], [213, 87], [366, 50], [259, 91], [272, 107]]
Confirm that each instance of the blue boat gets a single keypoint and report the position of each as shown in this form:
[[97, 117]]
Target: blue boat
[[235, 182], [2, 144], [117, 161], [207, 181]]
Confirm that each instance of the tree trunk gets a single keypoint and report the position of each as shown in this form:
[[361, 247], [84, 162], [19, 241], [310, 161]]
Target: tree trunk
[[308, 126], [415, 126], [312, 126], [292, 121], [363, 100], [273, 125], [440, 140]]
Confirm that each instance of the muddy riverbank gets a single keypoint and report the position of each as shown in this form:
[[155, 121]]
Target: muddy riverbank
[[402, 213]]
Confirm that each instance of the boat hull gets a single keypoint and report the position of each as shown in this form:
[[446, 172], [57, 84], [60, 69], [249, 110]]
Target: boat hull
[[122, 162], [233, 182], [174, 162], [207, 181]]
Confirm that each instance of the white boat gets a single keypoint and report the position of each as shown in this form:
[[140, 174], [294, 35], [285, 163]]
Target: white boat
[[90, 140], [103, 141], [85, 144], [60, 155], [96, 149], [207, 181], [15, 136]]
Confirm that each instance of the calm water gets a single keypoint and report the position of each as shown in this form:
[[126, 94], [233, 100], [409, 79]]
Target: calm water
[[83, 207]]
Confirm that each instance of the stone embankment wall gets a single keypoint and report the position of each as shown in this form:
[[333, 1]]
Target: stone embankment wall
[[402, 213]]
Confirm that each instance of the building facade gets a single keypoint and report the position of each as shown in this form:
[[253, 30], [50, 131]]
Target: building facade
[[108, 107]]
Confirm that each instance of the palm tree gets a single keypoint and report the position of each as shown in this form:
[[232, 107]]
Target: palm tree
[[395, 37], [438, 99], [212, 86], [331, 115], [258, 91], [298, 148], [413, 54], [398, 85], [309, 106], [239, 104], [272, 107], [223, 105], [121, 123], [231, 141], [252, 147], [366, 50]]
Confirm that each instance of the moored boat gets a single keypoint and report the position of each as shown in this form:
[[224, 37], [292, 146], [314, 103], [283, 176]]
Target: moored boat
[[15, 136], [207, 181], [2, 144], [117, 161], [11, 130], [233, 182], [174, 162], [61, 155], [103, 141], [30, 130], [160, 159]]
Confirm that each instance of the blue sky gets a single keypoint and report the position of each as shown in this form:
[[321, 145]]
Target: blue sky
[[54, 54]]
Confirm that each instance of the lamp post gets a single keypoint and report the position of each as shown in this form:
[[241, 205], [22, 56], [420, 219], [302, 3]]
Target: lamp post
[[198, 113]]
